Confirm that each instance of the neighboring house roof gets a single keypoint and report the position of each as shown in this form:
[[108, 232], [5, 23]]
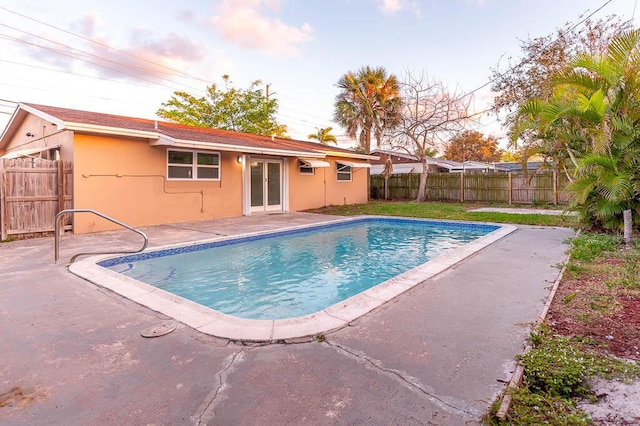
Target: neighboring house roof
[[396, 157], [161, 133], [516, 166]]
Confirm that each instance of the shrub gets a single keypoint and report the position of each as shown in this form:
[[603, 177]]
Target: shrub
[[589, 246]]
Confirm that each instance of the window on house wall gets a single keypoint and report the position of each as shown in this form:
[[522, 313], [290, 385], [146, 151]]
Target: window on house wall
[[343, 172], [305, 168], [198, 165]]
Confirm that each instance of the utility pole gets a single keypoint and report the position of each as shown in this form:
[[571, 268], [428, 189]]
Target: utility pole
[[267, 92]]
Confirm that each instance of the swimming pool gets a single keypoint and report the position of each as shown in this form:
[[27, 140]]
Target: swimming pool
[[296, 273], [293, 282]]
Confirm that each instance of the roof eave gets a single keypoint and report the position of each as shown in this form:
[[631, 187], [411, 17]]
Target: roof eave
[[11, 127], [179, 143], [351, 155], [107, 130]]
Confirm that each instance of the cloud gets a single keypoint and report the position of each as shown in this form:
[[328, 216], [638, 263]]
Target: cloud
[[86, 25], [148, 57], [390, 7], [250, 24]]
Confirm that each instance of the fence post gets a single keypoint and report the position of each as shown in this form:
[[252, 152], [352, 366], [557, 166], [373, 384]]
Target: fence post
[[60, 186], [555, 187], [462, 187], [3, 201], [510, 189]]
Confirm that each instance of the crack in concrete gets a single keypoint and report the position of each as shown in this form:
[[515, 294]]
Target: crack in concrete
[[207, 412], [409, 381], [200, 231]]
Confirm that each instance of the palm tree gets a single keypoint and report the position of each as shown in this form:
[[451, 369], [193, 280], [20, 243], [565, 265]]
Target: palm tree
[[368, 103], [323, 135], [596, 104]]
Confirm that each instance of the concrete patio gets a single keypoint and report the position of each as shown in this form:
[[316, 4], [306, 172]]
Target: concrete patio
[[437, 354]]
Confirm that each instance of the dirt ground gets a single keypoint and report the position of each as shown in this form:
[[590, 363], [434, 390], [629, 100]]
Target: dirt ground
[[603, 305]]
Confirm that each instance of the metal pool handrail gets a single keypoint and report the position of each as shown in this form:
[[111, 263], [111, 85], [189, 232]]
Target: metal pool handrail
[[117, 222]]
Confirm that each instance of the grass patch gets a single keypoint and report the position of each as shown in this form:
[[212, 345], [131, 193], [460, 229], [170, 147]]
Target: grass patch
[[590, 246], [441, 210], [556, 374], [560, 366], [531, 408]]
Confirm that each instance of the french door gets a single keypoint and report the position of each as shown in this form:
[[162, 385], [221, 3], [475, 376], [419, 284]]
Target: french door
[[266, 185]]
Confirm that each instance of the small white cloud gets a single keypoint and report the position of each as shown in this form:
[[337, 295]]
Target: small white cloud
[[390, 7], [249, 24]]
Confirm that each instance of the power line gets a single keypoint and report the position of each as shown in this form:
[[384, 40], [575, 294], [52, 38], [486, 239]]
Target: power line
[[104, 45], [71, 73], [68, 92], [84, 60], [89, 54], [492, 80]]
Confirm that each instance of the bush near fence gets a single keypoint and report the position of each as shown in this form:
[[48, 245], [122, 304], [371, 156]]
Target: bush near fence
[[509, 188]]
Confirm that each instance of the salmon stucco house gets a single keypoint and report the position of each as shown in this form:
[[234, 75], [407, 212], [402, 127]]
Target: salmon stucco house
[[146, 172]]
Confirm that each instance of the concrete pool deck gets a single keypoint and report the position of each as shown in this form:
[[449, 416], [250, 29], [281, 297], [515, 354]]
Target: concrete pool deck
[[438, 353]]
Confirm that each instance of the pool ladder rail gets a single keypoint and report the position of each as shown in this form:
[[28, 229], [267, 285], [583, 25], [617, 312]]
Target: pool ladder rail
[[117, 222]]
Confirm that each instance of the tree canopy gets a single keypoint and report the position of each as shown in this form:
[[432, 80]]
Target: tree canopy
[[226, 108], [368, 103], [471, 145], [323, 135], [543, 58], [593, 115]]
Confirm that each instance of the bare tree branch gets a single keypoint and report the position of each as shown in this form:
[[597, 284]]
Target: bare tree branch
[[430, 116]]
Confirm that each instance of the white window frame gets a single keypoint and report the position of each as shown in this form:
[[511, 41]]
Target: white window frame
[[301, 165], [341, 170], [194, 165]]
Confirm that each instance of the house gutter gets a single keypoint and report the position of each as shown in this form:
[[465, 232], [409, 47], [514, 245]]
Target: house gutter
[[167, 142]]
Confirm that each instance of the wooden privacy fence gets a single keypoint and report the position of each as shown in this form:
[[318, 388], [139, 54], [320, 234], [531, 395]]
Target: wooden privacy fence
[[32, 192], [511, 188]]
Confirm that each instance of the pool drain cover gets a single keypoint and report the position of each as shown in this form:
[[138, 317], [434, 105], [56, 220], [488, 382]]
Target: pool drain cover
[[159, 330]]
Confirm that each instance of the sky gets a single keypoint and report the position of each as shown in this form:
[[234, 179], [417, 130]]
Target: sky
[[128, 57]]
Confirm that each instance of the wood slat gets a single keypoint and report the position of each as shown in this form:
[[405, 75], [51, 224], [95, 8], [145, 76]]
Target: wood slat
[[32, 192], [519, 188]]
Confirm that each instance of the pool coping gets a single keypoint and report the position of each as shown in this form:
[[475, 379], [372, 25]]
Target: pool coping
[[218, 324]]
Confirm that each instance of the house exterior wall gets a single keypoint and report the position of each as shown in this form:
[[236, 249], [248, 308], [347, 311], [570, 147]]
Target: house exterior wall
[[323, 188], [126, 179], [45, 135]]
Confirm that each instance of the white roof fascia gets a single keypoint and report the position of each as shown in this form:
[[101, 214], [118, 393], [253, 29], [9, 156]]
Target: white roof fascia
[[352, 155], [212, 146], [107, 130], [355, 164], [310, 162], [402, 169]]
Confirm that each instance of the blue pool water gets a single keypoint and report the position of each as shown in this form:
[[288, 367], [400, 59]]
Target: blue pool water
[[294, 273]]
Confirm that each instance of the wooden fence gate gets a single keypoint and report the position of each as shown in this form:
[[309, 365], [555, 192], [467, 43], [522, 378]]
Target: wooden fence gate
[[32, 192]]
